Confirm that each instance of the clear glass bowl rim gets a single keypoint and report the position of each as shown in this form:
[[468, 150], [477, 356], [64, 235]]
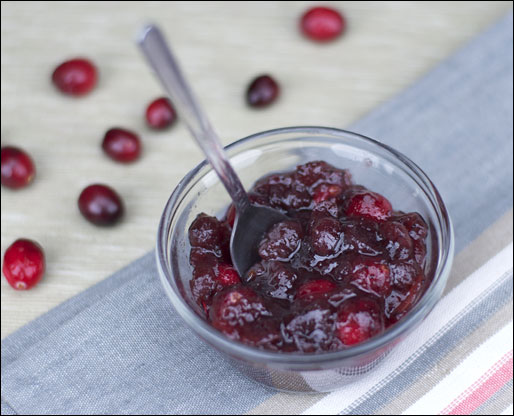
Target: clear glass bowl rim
[[302, 360]]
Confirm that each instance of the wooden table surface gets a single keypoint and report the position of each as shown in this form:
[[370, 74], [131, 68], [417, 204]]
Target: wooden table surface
[[222, 45]]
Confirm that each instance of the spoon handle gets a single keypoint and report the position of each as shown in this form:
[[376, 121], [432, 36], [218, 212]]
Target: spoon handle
[[161, 59]]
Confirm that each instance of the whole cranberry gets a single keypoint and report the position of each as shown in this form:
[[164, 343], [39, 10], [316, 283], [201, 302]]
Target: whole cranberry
[[75, 77], [100, 205], [24, 264], [281, 241], [371, 276], [369, 205], [160, 114], [322, 24], [358, 319], [326, 236], [227, 275], [17, 167], [121, 145], [236, 310], [262, 91]]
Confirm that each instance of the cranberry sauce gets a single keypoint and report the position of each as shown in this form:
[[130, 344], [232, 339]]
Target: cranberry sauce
[[344, 268]]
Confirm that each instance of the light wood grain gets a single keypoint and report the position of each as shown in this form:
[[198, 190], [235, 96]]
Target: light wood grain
[[222, 45]]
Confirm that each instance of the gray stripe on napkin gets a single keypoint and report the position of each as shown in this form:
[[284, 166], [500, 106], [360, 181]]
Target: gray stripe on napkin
[[120, 348]]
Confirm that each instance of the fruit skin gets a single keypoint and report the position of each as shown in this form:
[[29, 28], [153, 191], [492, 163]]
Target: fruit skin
[[358, 319], [17, 167], [100, 205], [75, 77], [121, 145], [315, 288], [322, 24], [24, 264], [262, 91], [370, 205], [160, 114], [371, 276]]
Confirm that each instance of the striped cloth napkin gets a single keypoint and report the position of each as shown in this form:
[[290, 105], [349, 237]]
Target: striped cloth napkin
[[120, 348]]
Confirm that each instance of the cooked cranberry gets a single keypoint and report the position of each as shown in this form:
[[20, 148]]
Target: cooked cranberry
[[369, 205], [322, 24], [227, 275], [325, 191], [315, 287], [262, 91], [160, 114], [210, 233], [75, 77], [312, 174], [401, 300], [265, 335], [273, 279], [326, 236], [204, 284], [121, 145], [235, 308], [362, 236], [312, 328], [415, 225], [24, 264], [397, 239], [418, 231], [282, 240], [357, 320], [100, 204], [372, 277], [404, 273], [17, 167]]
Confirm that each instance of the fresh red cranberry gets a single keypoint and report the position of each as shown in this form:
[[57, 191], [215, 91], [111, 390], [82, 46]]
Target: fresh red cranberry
[[358, 319], [75, 77], [282, 240], [372, 277], [121, 145], [326, 236], [100, 205], [17, 167], [227, 275], [24, 264], [160, 114], [262, 91], [315, 287], [322, 24], [369, 205]]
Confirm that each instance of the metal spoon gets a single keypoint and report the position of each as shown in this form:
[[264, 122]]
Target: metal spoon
[[251, 221]]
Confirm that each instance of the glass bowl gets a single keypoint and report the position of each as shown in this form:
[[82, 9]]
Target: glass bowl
[[371, 164]]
